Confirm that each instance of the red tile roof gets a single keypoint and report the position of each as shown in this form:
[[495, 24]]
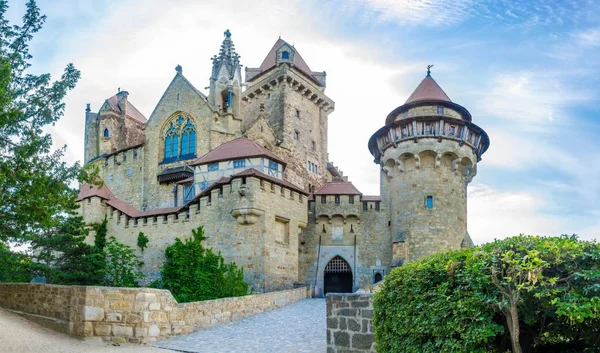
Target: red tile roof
[[338, 188], [88, 190], [241, 147], [132, 111], [271, 60], [260, 175], [428, 90]]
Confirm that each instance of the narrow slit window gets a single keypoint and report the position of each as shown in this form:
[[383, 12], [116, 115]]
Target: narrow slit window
[[429, 202]]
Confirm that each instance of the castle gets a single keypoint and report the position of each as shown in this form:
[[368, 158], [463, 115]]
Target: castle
[[249, 162]]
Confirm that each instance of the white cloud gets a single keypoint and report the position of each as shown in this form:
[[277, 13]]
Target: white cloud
[[494, 214], [427, 12], [589, 37]]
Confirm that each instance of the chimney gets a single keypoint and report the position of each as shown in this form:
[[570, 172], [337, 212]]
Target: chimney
[[122, 101]]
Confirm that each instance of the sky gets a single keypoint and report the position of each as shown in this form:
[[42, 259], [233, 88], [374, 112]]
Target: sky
[[528, 71]]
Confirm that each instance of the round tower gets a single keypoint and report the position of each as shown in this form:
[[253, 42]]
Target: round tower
[[428, 151]]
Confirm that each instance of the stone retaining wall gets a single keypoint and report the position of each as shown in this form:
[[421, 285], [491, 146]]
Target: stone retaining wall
[[138, 315], [349, 323]]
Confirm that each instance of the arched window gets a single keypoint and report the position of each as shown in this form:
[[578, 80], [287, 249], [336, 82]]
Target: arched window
[[188, 139], [285, 55], [106, 133], [180, 140]]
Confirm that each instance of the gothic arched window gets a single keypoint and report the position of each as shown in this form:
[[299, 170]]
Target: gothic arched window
[[180, 140], [106, 133]]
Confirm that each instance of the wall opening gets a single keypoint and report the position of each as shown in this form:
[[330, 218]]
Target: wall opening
[[338, 276]]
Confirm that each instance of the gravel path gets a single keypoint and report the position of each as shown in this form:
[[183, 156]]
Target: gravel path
[[19, 335], [296, 328]]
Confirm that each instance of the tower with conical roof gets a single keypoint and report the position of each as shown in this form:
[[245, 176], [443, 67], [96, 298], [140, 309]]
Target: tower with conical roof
[[226, 78], [428, 151]]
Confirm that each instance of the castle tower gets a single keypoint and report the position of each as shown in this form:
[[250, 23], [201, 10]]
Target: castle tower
[[91, 134], [291, 98], [428, 151], [226, 79]]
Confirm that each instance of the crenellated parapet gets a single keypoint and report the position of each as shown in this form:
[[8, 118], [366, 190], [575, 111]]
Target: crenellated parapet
[[284, 75]]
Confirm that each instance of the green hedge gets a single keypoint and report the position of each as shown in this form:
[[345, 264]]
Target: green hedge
[[461, 301]]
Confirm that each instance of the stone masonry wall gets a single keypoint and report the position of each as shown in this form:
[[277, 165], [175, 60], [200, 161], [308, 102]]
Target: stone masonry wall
[[349, 323], [138, 315]]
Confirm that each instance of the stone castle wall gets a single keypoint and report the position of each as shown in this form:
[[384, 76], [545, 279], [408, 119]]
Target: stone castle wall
[[269, 259], [138, 315], [349, 323]]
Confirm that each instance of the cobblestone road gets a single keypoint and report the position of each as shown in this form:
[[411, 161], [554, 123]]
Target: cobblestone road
[[295, 328]]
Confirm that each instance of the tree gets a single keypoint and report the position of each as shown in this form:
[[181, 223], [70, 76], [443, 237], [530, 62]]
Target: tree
[[14, 267], [534, 294], [192, 272], [34, 181], [122, 265]]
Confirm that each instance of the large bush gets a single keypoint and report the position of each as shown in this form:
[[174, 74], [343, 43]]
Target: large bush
[[528, 294], [193, 273]]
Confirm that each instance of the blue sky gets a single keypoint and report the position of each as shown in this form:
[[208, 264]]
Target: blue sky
[[528, 71]]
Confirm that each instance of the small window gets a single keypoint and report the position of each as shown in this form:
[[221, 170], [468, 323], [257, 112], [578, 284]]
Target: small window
[[365, 206], [429, 202], [240, 163], [213, 166], [268, 96], [203, 185], [452, 130], [135, 154], [440, 110], [323, 199], [377, 206], [106, 133], [351, 199], [110, 177], [129, 172], [314, 145], [297, 135], [297, 114], [337, 199], [273, 165], [285, 55]]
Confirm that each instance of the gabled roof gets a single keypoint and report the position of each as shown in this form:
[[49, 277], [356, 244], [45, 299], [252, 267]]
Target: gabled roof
[[428, 90], [132, 112], [240, 147], [338, 188], [88, 190], [271, 60]]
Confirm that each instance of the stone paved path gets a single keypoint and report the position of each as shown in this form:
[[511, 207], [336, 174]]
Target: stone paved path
[[296, 328]]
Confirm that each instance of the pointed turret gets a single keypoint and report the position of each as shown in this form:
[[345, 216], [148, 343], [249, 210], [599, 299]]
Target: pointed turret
[[226, 78], [428, 90]]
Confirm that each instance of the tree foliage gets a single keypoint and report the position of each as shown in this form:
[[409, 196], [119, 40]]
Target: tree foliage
[[14, 267], [192, 273], [34, 180], [531, 294], [142, 241]]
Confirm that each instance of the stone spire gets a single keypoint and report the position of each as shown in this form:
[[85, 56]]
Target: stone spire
[[227, 58], [226, 78]]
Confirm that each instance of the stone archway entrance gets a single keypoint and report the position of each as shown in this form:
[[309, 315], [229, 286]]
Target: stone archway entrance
[[338, 276]]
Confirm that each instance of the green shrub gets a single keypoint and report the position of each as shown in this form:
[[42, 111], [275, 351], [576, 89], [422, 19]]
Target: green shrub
[[532, 294], [142, 241], [122, 265], [193, 273]]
